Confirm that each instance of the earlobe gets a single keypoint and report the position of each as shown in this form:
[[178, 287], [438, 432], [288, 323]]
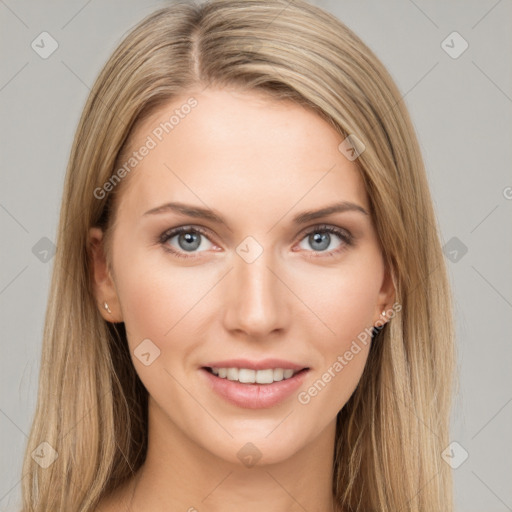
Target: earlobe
[[101, 279], [382, 320]]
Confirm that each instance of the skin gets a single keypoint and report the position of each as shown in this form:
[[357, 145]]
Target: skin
[[258, 163]]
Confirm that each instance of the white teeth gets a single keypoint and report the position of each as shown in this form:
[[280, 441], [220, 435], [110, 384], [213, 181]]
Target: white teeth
[[287, 374], [264, 376], [247, 376], [232, 374], [278, 374]]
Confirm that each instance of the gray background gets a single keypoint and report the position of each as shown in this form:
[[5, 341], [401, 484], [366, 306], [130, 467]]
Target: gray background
[[461, 108]]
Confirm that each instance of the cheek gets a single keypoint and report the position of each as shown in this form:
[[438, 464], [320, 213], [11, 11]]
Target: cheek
[[345, 303], [161, 302], [346, 306]]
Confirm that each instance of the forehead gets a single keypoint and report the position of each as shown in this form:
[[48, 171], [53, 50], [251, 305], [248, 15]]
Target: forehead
[[233, 148]]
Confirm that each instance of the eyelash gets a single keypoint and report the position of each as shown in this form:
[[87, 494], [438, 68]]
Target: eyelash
[[346, 237]]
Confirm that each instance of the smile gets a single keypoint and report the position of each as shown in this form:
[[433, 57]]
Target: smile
[[249, 376], [245, 390]]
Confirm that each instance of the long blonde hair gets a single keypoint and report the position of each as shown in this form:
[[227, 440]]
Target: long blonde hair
[[91, 405]]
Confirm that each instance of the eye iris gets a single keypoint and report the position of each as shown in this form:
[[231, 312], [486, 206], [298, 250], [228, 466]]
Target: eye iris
[[190, 238], [319, 238]]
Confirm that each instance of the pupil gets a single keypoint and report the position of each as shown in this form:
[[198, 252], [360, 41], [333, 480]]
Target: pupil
[[319, 238], [190, 238]]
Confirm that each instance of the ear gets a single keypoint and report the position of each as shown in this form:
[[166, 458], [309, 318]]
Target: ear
[[385, 300], [102, 282]]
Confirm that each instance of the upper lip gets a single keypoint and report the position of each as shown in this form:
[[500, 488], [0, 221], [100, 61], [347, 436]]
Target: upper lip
[[255, 365]]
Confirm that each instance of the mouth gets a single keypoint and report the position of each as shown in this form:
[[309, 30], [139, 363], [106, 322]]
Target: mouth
[[250, 376], [248, 388]]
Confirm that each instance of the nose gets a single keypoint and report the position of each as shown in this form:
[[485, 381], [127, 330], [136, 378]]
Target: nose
[[255, 299]]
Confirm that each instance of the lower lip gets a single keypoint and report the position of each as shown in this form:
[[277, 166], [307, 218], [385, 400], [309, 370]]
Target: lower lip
[[254, 396]]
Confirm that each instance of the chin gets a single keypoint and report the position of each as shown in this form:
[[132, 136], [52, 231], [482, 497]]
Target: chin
[[261, 448]]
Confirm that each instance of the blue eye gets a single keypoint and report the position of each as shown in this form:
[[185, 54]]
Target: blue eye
[[189, 239], [320, 239]]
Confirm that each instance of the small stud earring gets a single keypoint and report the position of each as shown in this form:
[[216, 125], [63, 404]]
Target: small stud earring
[[105, 305], [383, 313]]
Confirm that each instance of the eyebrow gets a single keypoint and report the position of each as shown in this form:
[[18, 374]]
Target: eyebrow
[[301, 218]]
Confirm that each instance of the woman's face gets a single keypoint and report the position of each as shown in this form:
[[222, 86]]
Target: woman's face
[[268, 281]]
